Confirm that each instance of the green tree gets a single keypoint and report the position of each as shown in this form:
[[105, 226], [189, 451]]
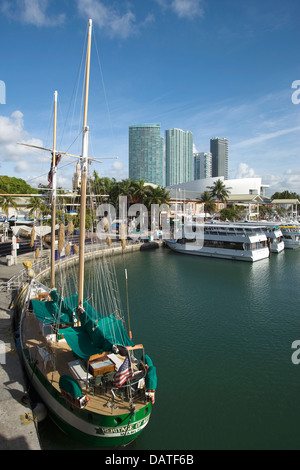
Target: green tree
[[103, 186], [7, 202], [209, 202], [139, 191], [285, 195], [12, 185], [219, 191], [265, 212], [233, 213], [158, 195], [155, 195], [37, 207]]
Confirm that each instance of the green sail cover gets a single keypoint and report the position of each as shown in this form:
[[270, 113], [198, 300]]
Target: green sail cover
[[55, 311], [79, 341], [70, 385], [95, 336], [48, 312], [151, 379]]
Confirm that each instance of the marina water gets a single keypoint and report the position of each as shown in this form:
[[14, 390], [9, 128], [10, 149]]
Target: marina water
[[220, 333]]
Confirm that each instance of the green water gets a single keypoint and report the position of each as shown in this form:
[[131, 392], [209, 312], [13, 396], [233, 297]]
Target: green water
[[220, 334]]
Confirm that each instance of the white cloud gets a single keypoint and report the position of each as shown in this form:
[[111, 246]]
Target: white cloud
[[23, 159], [22, 166], [115, 170], [111, 19], [263, 137], [183, 8], [11, 128], [188, 8], [244, 171], [289, 180], [118, 166], [118, 171], [31, 12]]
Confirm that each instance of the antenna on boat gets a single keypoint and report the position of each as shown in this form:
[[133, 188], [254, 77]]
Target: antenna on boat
[[130, 333]]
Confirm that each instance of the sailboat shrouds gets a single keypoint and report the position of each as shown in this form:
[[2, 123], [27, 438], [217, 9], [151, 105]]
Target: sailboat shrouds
[[98, 385]]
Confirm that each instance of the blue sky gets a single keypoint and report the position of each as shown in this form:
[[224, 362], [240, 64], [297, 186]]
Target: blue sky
[[214, 67]]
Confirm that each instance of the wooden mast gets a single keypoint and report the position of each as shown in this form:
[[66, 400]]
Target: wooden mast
[[84, 170], [53, 200]]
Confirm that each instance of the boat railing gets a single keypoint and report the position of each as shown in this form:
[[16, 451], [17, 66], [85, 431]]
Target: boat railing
[[227, 230], [131, 387]]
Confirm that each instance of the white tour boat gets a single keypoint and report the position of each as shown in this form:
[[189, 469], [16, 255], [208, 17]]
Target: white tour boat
[[222, 240], [273, 233], [291, 234]]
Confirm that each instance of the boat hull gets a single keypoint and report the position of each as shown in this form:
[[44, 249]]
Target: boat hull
[[92, 429], [291, 244], [239, 255], [291, 236], [277, 247]]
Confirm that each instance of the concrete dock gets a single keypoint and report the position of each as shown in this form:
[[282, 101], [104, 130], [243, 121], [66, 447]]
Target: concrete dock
[[17, 428]]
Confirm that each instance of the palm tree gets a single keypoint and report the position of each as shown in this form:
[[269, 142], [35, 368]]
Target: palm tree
[[7, 202], [121, 188], [208, 201], [139, 191], [103, 186], [158, 195], [37, 207], [155, 195], [219, 191]]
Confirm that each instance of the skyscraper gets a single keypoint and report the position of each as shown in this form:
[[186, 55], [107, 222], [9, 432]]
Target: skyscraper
[[76, 180], [179, 156], [146, 154], [202, 165], [219, 151]]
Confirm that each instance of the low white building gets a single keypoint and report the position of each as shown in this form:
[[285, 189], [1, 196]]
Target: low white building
[[239, 186]]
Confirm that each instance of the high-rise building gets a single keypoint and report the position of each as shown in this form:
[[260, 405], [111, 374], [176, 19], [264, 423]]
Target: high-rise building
[[76, 180], [146, 154], [219, 151], [179, 156], [202, 165]]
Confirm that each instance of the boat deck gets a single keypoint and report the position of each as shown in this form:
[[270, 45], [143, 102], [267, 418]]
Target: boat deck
[[59, 354]]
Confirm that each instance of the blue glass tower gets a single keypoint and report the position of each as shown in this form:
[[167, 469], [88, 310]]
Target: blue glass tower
[[146, 154], [179, 156]]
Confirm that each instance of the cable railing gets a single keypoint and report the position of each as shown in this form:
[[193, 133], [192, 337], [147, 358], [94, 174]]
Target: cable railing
[[42, 266]]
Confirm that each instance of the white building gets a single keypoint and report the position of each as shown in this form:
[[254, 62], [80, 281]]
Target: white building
[[239, 186]]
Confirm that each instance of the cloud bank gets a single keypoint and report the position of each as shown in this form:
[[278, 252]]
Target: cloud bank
[[32, 12], [12, 131]]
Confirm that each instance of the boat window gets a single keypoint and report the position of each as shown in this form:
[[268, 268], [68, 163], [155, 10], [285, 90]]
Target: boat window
[[223, 244]]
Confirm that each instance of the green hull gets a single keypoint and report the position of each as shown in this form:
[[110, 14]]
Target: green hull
[[92, 429]]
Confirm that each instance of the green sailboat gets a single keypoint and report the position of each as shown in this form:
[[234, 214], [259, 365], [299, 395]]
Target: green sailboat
[[98, 386]]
